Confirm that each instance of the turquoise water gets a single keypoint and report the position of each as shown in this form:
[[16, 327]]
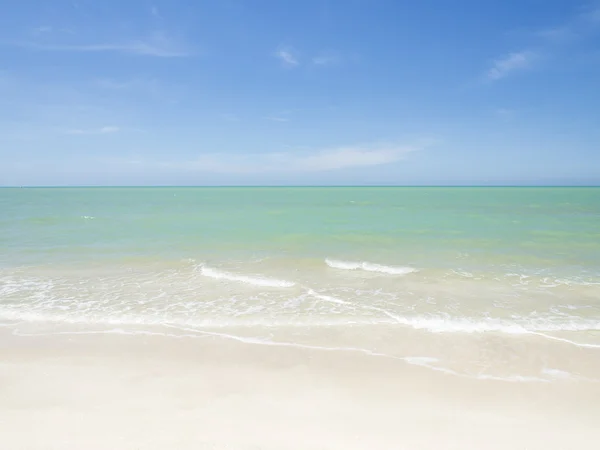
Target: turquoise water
[[460, 262], [536, 228]]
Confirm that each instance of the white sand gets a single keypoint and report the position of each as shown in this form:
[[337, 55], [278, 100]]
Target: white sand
[[132, 393]]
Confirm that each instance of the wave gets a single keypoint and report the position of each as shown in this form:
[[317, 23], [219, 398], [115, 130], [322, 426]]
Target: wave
[[369, 267], [468, 325], [328, 298], [255, 281], [435, 325], [36, 300]]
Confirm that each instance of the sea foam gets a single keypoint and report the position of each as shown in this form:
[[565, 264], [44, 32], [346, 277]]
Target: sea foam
[[327, 298], [255, 280], [369, 267]]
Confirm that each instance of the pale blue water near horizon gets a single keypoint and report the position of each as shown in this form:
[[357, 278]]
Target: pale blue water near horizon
[[433, 275]]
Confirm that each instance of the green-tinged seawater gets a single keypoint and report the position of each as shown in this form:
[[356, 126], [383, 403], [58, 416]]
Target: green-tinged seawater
[[536, 228], [431, 275]]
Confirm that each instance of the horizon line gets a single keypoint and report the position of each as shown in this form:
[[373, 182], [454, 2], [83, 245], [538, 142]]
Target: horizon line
[[307, 186]]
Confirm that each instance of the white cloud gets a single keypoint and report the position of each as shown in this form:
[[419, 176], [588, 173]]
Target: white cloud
[[344, 157], [287, 57], [158, 44], [281, 116], [510, 63], [549, 42], [110, 129], [560, 34], [578, 27], [291, 161], [103, 130], [591, 15]]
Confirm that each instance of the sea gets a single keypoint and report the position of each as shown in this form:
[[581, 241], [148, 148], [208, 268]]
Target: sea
[[488, 283]]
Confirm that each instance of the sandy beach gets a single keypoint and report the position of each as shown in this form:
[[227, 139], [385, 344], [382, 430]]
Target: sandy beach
[[104, 391], [299, 319], [300, 225]]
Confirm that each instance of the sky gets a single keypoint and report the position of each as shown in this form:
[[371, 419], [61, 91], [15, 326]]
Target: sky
[[317, 92]]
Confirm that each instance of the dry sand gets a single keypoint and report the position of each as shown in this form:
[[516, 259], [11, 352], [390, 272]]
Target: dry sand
[[116, 392]]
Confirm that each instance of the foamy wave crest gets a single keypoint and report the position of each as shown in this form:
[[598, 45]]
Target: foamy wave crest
[[466, 325], [327, 298], [369, 267], [255, 281]]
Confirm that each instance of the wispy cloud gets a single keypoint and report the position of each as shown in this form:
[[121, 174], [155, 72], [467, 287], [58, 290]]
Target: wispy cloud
[[547, 44], [558, 35], [346, 157], [287, 56], [158, 45], [322, 160], [103, 130], [282, 116], [110, 129], [577, 27], [510, 63]]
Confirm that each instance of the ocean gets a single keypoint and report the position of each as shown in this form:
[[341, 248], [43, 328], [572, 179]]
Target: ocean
[[478, 283]]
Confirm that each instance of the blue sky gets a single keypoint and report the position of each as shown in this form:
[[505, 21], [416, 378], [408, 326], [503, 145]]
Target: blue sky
[[299, 92]]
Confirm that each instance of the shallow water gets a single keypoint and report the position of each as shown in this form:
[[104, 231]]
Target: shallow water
[[483, 282]]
